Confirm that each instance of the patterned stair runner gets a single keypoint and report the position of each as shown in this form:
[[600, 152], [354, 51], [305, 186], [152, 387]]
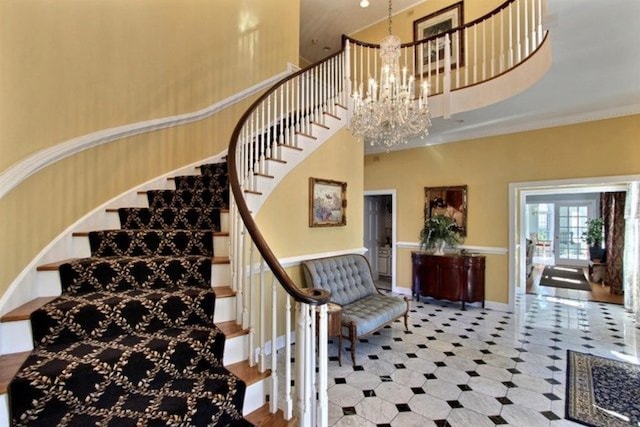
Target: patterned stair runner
[[131, 340]]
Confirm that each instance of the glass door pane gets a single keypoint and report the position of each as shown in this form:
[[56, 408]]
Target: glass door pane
[[571, 220]]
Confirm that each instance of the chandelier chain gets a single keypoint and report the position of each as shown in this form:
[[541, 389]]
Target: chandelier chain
[[389, 21]]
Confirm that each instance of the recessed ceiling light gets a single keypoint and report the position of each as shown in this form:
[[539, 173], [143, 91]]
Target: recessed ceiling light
[[327, 48], [315, 41], [364, 3]]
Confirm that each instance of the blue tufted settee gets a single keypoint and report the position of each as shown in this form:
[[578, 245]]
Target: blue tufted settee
[[364, 308]]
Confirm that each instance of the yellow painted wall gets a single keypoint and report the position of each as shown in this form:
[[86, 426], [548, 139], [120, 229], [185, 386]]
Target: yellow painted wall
[[487, 166], [68, 68], [284, 218]]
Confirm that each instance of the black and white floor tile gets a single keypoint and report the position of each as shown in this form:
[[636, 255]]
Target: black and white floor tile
[[477, 367]]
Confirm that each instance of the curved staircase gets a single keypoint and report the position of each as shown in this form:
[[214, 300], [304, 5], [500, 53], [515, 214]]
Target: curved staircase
[[131, 340]]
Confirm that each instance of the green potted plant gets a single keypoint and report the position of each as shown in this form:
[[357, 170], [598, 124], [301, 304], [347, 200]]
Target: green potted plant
[[593, 238], [439, 231]]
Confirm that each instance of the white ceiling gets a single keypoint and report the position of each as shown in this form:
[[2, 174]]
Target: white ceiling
[[595, 72]]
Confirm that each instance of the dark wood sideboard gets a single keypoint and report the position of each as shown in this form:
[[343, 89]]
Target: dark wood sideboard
[[451, 277]]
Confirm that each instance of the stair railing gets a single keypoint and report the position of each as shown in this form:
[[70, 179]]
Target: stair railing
[[273, 123], [462, 57], [469, 54]]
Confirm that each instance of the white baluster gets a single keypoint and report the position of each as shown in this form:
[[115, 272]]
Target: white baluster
[[540, 34], [273, 404], [466, 56], [502, 52], [347, 90], [518, 34], [269, 133], [323, 399], [302, 318], [510, 9], [241, 297], [475, 53], [248, 306], [288, 397], [437, 70], [493, 46], [311, 366], [446, 81], [526, 28], [261, 359], [484, 50]]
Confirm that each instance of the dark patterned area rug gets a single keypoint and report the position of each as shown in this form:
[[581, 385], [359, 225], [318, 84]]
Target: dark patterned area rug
[[601, 391], [564, 277]]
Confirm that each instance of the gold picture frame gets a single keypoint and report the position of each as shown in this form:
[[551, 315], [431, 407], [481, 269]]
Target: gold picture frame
[[448, 201], [327, 203], [430, 26]]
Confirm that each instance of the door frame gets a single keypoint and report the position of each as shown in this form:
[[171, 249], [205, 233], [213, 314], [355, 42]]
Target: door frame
[[517, 211], [394, 228]]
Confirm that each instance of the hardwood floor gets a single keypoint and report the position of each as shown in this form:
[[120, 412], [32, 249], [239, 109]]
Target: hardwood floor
[[599, 293]]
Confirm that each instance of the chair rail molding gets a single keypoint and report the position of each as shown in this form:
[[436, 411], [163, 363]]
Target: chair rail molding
[[491, 250], [23, 169]]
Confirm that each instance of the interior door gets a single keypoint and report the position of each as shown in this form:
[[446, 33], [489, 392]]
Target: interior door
[[371, 226], [570, 222]]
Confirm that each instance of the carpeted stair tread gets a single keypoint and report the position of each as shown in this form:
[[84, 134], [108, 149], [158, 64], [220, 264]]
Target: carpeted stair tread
[[121, 273], [168, 375], [196, 182], [231, 329], [107, 314], [24, 311], [165, 218], [10, 363], [151, 242], [188, 198], [262, 417], [218, 170], [248, 374]]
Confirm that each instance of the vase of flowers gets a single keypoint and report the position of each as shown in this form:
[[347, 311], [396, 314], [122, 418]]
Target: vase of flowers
[[440, 231]]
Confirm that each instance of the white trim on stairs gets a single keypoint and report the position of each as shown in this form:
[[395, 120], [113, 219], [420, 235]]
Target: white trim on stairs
[[18, 172]]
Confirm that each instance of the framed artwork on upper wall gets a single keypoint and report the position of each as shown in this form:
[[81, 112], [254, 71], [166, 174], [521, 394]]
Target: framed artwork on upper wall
[[432, 25], [327, 203], [447, 201]]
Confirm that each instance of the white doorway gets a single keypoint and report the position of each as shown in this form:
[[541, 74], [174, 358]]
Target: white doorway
[[380, 236], [518, 196]]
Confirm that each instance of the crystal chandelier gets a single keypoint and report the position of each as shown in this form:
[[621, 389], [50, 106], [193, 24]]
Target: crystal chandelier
[[389, 113]]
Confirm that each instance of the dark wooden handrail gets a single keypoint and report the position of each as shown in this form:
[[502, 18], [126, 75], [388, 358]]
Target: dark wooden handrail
[[437, 36], [308, 295]]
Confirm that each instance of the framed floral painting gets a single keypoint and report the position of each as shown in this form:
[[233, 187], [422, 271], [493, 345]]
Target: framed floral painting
[[327, 203]]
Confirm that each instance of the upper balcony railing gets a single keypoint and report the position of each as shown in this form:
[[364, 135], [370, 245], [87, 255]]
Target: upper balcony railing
[[473, 53], [463, 57]]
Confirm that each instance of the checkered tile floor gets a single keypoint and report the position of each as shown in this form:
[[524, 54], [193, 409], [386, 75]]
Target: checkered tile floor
[[477, 367]]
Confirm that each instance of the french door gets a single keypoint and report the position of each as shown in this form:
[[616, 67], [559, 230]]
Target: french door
[[570, 222]]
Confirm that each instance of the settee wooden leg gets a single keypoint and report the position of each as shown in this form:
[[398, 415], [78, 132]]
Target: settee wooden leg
[[406, 315], [352, 337]]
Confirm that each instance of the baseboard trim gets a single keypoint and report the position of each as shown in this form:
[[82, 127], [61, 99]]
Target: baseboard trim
[[492, 305]]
